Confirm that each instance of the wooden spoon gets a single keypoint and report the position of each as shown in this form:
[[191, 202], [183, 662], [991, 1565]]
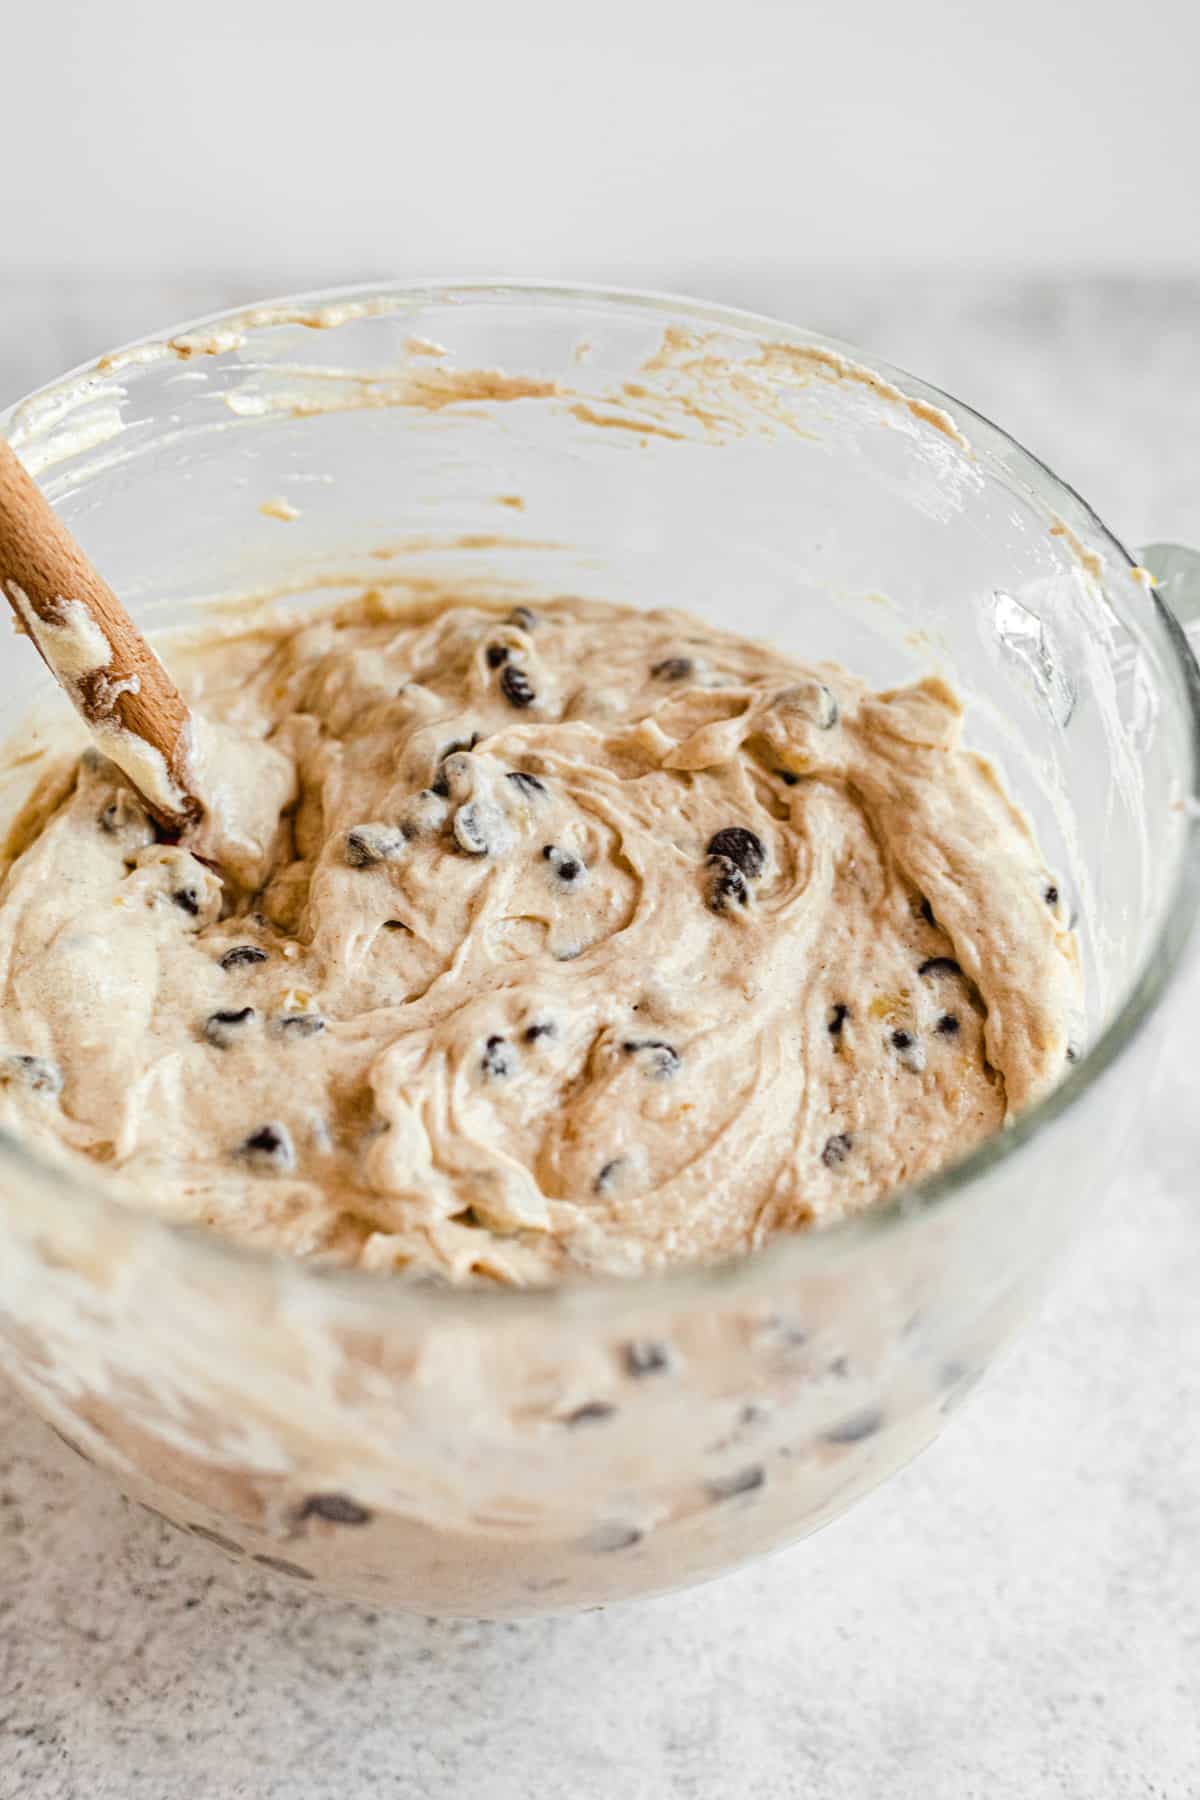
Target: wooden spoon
[[90, 644]]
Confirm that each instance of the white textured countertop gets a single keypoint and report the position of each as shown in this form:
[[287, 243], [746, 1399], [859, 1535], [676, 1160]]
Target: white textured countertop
[[1015, 1616]]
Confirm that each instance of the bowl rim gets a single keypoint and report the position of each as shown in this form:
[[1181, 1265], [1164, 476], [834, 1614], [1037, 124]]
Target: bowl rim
[[391, 1298]]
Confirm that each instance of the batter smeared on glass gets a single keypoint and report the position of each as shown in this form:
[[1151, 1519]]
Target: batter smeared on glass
[[586, 940]]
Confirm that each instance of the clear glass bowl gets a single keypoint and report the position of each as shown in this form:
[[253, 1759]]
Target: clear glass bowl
[[499, 1454]]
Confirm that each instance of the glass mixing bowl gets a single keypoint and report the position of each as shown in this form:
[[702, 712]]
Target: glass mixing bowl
[[502, 1453]]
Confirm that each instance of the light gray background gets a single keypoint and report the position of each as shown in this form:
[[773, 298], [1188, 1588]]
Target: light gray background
[[1016, 1617]]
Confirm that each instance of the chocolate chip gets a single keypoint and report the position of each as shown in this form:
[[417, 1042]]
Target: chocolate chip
[[269, 1148], [661, 1059], [527, 784], [534, 1032], [368, 845], [282, 1567], [242, 955], [480, 829], [338, 1509], [947, 1026], [300, 1025], [645, 1357], [672, 668], [516, 686], [727, 887], [841, 1013], [1050, 894], [742, 1481], [222, 1028], [836, 1150], [33, 1072], [187, 900], [788, 778], [910, 1052], [569, 869], [458, 744], [593, 1412], [939, 965], [926, 912], [812, 701], [609, 1537], [608, 1175], [741, 847], [859, 1425], [498, 1059], [121, 813], [497, 654], [522, 618]]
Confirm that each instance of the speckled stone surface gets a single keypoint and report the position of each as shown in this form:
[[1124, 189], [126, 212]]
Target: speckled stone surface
[[1016, 1616]]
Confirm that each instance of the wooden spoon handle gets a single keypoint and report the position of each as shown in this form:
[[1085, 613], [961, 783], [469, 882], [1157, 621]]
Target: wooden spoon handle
[[88, 641]]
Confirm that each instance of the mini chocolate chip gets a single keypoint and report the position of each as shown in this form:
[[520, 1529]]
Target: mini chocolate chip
[[608, 1175], [592, 1412], [568, 868], [1050, 894], [741, 847], [727, 886], [480, 829], [339, 1509], [301, 1025], [947, 1026], [663, 1059], [672, 668], [516, 686], [607, 1537], [811, 701], [788, 778], [841, 1013], [1072, 1053], [939, 965], [221, 1028], [32, 1072], [836, 1150], [926, 912], [121, 812], [367, 845], [496, 655], [645, 1357], [546, 1029], [528, 784], [498, 1059], [283, 1567], [742, 1481], [859, 1425], [909, 1050], [241, 955], [187, 900], [457, 744], [270, 1147], [522, 618], [215, 1537]]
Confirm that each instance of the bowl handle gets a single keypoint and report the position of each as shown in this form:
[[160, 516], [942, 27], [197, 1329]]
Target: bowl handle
[[1176, 571]]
